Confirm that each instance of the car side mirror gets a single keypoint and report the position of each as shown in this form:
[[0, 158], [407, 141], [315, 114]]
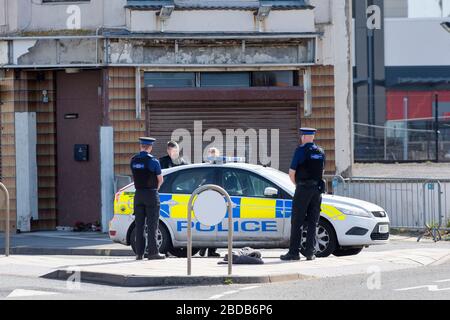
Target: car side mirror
[[270, 192]]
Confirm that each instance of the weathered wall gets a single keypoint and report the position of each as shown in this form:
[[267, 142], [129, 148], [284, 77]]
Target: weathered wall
[[219, 20], [122, 115], [335, 51], [8, 97], [21, 91], [26, 15], [46, 146], [322, 118]]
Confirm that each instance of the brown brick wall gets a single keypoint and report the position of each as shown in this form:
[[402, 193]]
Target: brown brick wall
[[323, 112], [7, 142], [122, 115], [21, 91]]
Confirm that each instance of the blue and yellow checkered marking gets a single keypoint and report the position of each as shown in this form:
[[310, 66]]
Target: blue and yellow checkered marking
[[165, 209], [174, 206]]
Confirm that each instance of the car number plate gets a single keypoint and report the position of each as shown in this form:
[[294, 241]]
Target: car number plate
[[384, 228]]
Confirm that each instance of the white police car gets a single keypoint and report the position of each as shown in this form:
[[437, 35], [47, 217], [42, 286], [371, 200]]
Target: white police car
[[263, 206]]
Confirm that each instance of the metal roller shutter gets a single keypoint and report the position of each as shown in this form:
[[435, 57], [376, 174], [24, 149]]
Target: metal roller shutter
[[163, 118]]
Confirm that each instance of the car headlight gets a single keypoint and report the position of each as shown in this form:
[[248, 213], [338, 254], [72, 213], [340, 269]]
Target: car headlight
[[355, 212]]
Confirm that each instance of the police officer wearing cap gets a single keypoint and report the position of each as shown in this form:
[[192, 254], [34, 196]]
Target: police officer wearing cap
[[306, 172], [147, 181]]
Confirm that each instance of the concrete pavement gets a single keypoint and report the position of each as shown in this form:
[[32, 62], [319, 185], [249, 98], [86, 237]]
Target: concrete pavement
[[96, 259], [99, 244], [65, 243], [423, 283], [127, 272]]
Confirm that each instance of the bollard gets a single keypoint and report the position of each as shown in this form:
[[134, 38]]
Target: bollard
[[230, 225], [2, 186]]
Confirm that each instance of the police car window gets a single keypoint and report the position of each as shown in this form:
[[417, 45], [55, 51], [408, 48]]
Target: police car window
[[258, 186], [246, 184], [234, 183], [187, 181], [167, 185]]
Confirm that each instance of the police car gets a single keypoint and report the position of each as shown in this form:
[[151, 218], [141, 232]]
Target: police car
[[262, 199]]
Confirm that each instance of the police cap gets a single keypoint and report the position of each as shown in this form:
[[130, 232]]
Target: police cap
[[146, 141], [308, 131]]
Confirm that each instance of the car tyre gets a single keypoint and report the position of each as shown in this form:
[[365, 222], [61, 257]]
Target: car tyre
[[342, 252], [326, 239], [163, 239], [182, 252]]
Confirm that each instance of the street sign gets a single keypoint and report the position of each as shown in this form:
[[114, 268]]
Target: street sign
[[210, 208], [214, 202]]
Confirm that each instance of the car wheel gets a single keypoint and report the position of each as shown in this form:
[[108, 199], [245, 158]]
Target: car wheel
[[182, 252], [163, 240], [342, 252], [133, 240], [326, 241]]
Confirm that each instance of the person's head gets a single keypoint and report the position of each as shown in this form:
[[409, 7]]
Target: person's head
[[308, 135], [213, 152], [146, 144], [308, 139], [173, 150], [146, 148]]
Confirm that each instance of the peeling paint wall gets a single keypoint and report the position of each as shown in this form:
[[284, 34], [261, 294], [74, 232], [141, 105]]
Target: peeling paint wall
[[202, 53], [51, 52], [160, 52]]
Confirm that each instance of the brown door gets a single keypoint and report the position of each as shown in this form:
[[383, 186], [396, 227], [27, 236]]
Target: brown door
[[79, 117], [164, 118]]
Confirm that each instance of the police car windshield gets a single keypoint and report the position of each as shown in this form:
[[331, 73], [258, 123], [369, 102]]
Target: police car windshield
[[277, 175]]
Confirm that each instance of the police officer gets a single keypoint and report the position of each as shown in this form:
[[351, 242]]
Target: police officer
[[306, 172], [147, 180]]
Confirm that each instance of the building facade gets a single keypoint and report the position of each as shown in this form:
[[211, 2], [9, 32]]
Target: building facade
[[80, 81], [402, 81]]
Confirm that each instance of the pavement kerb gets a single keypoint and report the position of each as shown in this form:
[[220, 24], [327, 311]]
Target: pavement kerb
[[441, 260], [70, 252], [148, 281]]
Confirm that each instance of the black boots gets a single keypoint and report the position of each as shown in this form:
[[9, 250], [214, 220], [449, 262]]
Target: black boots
[[156, 257], [290, 257], [211, 253]]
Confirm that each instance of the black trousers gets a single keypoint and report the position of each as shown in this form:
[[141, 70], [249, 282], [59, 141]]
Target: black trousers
[[146, 210], [305, 207]]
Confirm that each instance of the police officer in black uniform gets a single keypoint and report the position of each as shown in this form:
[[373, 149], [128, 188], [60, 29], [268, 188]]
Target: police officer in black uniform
[[306, 172], [147, 181]]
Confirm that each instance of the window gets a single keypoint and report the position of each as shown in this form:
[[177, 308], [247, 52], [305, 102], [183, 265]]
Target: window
[[241, 183], [167, 185], [221, 79], [169, 79], [225, 79], [186, 181], [273, 79]]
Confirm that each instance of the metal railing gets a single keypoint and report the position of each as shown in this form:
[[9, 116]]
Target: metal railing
[[396, 142], [7, 221], [414, 204]]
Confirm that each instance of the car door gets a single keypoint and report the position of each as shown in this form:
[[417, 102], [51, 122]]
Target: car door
[[258, 217], [175, 199]]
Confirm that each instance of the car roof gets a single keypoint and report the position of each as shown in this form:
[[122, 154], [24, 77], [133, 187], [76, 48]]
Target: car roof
[[248, 166]]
